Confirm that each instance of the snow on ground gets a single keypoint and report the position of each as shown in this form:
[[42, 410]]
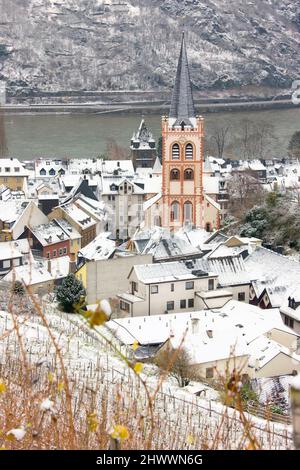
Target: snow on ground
[[91, 361]]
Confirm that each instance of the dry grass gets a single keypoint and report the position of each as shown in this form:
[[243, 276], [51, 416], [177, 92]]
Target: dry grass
[[68, 387]]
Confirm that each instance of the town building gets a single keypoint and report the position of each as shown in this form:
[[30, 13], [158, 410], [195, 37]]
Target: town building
[[12, 174], [16, 215], [236, 336], [123, 199], [183, 200], [14, 253], [49, 240], [106, 278], [83, 223], [162, 288], [143, 148]]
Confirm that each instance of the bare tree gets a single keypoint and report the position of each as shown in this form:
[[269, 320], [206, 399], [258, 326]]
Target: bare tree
[[115, 151], [255, 138], [244, 191], [176, 363], [218, 138]]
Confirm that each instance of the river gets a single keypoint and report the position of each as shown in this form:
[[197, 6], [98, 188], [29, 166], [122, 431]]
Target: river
[[31, 136]]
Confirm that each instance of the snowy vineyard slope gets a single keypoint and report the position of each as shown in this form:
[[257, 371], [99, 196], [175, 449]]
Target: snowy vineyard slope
[[109, 45], [101, 383]]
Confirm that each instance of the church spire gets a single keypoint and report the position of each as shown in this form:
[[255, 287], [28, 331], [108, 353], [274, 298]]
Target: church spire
[[182, 106]]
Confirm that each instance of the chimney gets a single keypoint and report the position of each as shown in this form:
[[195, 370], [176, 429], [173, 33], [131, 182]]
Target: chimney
[[72, 265]]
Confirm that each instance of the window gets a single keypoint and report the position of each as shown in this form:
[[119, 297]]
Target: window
[[189, 152], [17, 169], [175, 211], [175, 152], [188, 212], [175, 175], [209, 373], [154, 289], [16, 262], [288, 321], [170, 305], [134, 287], [54, 253], [6, 264], [189, 285], [188, 175], [211, 284], [42, 172], [124, 306], [60, 252], [52, 172], [208, 227], [65, 250], [191, 303], [241, 296], [183, 303], [48, 254], [172, 287], [7, 170]]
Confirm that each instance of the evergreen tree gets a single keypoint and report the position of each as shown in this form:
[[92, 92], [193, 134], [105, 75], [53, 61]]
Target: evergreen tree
[[159, 149], [70, 293], [294, 145]]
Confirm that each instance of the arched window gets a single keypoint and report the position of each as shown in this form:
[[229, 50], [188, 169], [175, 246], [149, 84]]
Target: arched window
[[52, 172], [175, 211], [188, 174], [43, 172], [188, 212], [175, 152], [189, 152], [175, 175]]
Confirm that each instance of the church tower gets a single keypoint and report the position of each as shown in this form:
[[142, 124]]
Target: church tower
[[182, 155]]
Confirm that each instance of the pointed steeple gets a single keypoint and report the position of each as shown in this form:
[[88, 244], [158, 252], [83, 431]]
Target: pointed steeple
[[182, 106]]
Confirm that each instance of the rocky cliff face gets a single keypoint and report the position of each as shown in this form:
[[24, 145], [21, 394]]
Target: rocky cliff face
[[133, 44]]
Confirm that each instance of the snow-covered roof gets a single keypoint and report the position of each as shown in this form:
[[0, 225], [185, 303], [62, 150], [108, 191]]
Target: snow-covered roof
[[274, 272], [29, 274], [150, 202], [10, 211], [163, 244], [123, 166], [100, 248], [12, 167], [95, 208], [9, 250], [78, 215], [196, 237], [68, 228], [49, 234], [59, 267], [208, 335], [170, 272]]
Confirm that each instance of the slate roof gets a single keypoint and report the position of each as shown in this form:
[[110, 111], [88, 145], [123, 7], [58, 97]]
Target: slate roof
[[182, 105]]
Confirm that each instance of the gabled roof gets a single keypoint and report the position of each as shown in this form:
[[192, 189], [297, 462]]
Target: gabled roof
[[182, 105], [157, 167]]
